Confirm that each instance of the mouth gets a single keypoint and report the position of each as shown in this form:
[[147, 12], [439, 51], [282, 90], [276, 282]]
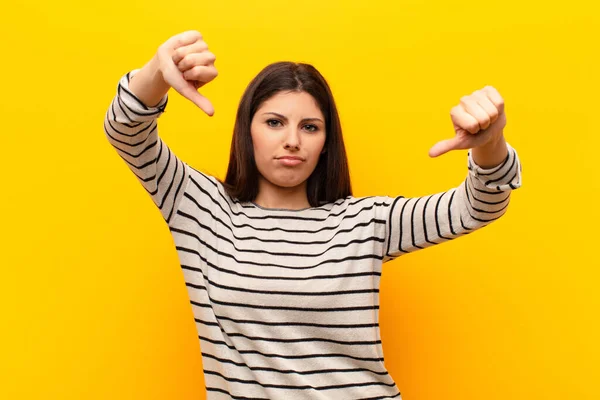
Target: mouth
[[290, 161], [290, 158]]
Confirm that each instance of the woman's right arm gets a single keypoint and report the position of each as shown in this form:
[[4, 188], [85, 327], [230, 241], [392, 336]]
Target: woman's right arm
[[130, 123]]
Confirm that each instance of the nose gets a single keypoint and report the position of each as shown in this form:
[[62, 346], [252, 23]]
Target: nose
[[292, 139]]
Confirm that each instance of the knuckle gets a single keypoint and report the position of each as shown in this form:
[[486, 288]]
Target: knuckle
[[192, 60]]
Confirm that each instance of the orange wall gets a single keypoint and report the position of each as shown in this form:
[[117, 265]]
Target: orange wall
[[93, 301]]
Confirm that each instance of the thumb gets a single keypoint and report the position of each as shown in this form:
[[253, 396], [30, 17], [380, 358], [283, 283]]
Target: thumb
[[443, 146], [186, 88], [191, 93]]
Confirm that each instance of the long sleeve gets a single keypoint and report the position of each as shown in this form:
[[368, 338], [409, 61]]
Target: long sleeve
[[131, 128], [419, 222]]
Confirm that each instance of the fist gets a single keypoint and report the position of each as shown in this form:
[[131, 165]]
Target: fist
[[187, 65], [478, 119]]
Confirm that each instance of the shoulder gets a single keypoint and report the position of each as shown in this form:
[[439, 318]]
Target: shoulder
[[203, 184]]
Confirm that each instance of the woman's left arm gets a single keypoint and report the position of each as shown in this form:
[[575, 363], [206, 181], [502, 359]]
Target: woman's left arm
[[494, 171]]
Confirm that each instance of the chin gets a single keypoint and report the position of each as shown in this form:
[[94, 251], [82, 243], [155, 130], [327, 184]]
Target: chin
[[286, 182]]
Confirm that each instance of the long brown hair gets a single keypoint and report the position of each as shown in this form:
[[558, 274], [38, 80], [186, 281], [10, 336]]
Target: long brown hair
[[330, 179]]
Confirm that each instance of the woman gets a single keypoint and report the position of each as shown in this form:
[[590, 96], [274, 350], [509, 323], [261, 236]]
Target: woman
[[282, 264]]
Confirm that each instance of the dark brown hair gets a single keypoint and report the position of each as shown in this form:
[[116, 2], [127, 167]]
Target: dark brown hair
[[330, 179]]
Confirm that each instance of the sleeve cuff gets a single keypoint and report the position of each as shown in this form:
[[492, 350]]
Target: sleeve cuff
[[506, 176], [134, 107]]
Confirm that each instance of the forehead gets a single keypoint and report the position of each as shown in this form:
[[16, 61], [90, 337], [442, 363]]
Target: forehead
[[292, 103]]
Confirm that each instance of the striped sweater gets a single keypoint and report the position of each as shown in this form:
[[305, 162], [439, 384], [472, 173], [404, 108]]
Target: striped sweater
[[286, 302]]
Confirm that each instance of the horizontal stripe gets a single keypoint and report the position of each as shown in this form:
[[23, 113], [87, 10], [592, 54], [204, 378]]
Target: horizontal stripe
[[295, 372], [294, 387], [300, 340], [290, 323], [303, 309], [247, 262], [279, 277], [289, 357], [280, 292]]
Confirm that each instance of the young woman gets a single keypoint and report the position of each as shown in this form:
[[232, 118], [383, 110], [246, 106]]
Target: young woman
[[282, 264]]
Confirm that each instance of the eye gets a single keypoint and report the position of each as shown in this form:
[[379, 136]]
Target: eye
[[273, 123], [272, 120]]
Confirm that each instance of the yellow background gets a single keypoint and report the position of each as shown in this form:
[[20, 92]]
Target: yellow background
[[93, 302]]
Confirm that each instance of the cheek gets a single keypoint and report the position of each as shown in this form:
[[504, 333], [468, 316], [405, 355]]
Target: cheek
[[263, 154], [260, 148], [319, 146], [256, 142]]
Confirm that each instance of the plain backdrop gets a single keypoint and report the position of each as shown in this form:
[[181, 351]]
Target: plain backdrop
[[93, 303]]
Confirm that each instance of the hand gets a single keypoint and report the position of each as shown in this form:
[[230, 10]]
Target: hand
[[186, 65], [478, 120]]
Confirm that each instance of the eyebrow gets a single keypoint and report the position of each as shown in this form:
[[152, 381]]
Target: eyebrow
[[285, 119]]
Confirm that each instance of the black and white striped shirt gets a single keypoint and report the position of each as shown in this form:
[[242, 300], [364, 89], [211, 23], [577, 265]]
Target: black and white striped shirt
[[286, 302]]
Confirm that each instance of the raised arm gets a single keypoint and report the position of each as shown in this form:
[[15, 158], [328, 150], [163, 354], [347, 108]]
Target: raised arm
[[130, 123], [483, 197]]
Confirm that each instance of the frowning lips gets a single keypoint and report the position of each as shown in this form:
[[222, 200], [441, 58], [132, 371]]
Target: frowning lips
[[290, 158]]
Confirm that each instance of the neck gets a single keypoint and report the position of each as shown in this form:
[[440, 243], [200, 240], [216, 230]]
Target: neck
[[272, 196]]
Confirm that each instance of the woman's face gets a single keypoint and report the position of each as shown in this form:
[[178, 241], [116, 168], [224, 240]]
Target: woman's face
[[289, 124]]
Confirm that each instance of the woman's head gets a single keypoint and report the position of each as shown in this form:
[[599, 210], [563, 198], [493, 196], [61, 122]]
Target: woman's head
[[288, 110]]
